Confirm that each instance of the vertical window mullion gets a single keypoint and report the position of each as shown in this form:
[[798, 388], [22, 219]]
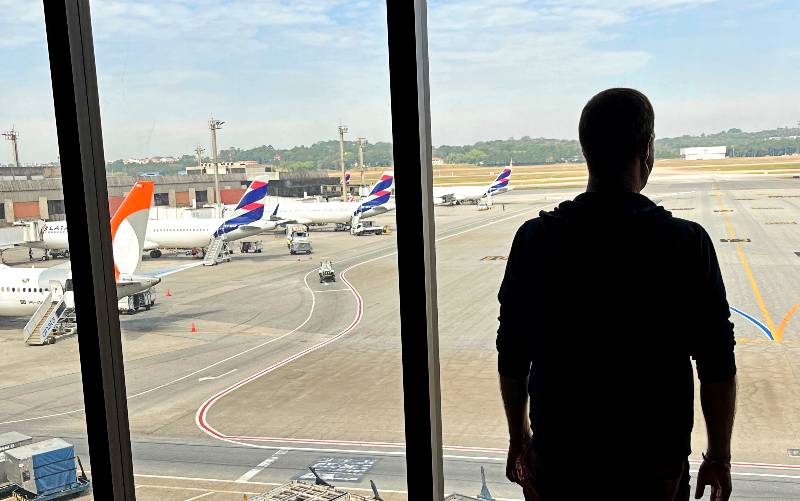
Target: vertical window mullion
[[408, 66], [80, 144]]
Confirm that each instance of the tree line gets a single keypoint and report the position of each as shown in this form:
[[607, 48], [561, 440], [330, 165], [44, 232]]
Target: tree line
[[324, 155]]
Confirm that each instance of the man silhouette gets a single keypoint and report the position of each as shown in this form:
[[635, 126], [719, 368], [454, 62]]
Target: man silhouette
[[604, 303]]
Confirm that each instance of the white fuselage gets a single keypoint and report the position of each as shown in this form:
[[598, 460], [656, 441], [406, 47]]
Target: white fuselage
[[192, 233], [322, 212], [22, 290], [446, 194], [53, 236], [164, 233]]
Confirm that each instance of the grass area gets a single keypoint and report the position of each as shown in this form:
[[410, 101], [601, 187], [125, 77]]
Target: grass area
[[738, 168], [463, 174]]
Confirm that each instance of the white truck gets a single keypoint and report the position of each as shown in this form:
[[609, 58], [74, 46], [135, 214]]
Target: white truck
[[366, 228], [131, 304], [297, 233]]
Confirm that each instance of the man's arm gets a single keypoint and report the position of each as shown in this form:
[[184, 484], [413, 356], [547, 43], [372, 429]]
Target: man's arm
[[718, 400], [513, 362], [515, 403], [716, 369]]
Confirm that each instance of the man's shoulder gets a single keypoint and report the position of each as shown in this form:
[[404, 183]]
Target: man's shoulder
[[675, 226], [690, 229]]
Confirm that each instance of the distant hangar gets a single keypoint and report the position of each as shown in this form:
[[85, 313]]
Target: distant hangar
[[704, 153]]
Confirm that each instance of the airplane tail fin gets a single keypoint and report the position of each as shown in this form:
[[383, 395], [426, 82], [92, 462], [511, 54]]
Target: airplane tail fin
[[128, 228], [380, 192], [251, 207], [502, 180]]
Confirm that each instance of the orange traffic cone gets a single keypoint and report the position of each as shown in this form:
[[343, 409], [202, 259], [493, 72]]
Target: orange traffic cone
[[168, 294], [194, 327]]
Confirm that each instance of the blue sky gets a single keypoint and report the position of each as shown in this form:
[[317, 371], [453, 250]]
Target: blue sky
[[287, 72]]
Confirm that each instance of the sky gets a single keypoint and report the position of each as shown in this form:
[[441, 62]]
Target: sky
[[288, 72]]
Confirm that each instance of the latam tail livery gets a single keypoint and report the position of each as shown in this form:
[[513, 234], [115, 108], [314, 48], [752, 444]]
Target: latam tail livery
[[454, 195], [377, 202]]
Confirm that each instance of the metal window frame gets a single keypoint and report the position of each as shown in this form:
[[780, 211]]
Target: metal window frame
[[80, 145], [416, 246], [77, 108]]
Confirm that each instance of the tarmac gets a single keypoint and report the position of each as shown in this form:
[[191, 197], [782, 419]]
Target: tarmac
[[283, 372]]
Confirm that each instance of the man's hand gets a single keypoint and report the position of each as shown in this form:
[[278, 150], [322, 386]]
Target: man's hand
[[717, 475], [515, 450]]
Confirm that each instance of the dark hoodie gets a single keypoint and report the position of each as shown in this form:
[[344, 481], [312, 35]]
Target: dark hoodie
[[604, 301]]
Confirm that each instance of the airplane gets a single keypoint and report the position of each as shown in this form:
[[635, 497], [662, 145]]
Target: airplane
[[23, 290], [191, 233], [377, 202], [456, 195]]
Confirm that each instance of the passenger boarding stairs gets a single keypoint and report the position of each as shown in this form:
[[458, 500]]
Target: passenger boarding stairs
[[216, 252], [54, 318]]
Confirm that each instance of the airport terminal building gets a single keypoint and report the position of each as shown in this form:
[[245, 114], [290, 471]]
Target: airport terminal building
[[31, 193]]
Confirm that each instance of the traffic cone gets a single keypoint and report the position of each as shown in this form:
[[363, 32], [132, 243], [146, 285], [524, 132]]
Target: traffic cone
[[168, 294], [194, 327]]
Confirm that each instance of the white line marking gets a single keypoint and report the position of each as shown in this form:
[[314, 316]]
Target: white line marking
[[261, 466], [193, 373], [195, 489], [197, 497], [202, 412], [208, 378]]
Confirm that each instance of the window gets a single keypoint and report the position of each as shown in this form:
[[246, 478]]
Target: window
[[55, 207], [43, 354], [161, 199], [269, 318], [509, 83], [531, 67]]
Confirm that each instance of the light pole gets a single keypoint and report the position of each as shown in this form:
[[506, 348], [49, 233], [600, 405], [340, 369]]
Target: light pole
[[361, 142], [12, 135], [215, 125], [342, 130]]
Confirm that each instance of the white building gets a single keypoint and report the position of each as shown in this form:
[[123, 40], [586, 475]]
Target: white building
[[704, 153], [250, 168], [437, 161]]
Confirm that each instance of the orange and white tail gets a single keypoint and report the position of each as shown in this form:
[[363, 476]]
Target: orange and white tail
[[128, 228]]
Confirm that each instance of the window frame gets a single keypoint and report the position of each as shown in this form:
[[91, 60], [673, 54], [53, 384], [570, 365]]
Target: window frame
[[80, 145], [77, 109]]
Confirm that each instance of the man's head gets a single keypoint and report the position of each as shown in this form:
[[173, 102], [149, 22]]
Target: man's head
[[616, 134]]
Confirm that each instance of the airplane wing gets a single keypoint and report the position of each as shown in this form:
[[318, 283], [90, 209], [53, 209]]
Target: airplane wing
[[169, 271]]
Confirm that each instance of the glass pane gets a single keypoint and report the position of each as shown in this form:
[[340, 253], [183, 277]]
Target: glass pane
[[42, 420], [272, 342], [508, 84]]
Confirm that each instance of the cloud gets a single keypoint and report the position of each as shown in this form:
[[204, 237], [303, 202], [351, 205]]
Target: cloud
[[285, 72]]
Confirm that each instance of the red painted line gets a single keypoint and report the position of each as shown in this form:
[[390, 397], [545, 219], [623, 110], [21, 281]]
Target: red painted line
[[203, 410], [202, 421]]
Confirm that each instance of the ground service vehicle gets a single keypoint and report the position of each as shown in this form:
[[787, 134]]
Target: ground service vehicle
[[366, 228], [131, 304], [250, 246], [43, 471], [326, 272], [300, 248]]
